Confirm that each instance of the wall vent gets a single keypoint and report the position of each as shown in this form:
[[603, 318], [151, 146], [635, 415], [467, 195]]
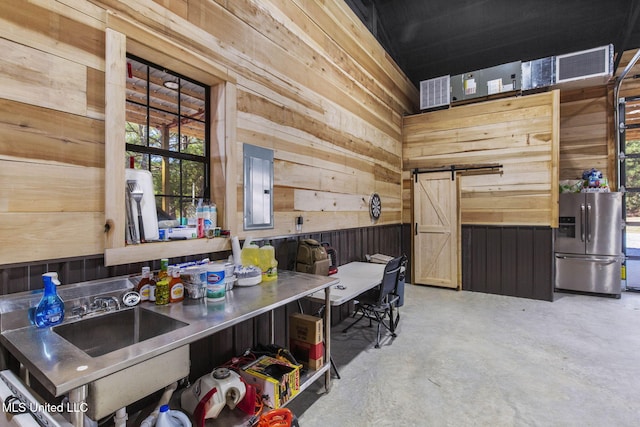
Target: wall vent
[[435, 92], [594, 65]]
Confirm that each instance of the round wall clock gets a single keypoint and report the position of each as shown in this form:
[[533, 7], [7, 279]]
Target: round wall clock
[[375, 206]]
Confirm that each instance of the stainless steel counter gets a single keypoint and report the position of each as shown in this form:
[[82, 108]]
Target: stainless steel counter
[[62, 368]]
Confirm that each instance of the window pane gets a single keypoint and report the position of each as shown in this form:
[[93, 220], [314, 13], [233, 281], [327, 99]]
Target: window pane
[[168, 208], [632, 169], [632, 147], [633, 206], [135, 133], [193, 137], [136, 82], [162, 130], [163, 87], [193, 179]]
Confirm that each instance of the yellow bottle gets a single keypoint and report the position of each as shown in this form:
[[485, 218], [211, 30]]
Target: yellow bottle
[[250, 255], [268, 263]]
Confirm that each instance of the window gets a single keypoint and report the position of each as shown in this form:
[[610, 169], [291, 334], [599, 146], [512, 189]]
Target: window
[[167, 133]]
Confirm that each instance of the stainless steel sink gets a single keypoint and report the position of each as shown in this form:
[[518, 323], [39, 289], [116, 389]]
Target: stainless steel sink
[[103, 334]]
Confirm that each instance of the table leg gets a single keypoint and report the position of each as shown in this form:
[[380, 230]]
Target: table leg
[[77, 399], [327, 336]]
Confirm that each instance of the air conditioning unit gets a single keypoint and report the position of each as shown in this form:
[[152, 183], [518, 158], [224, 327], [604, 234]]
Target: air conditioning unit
[[538, 73], [486, 82], [584, 68], [435, 92]]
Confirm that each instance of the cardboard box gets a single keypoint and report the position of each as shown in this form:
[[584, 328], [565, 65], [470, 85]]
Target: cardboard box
[[314, 364], [303, 350], [305, 328], [277, 390], [310, 355]]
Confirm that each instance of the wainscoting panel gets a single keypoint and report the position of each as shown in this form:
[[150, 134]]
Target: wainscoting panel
[[514, 260]]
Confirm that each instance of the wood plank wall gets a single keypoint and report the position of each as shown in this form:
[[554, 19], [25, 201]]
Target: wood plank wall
[[312, 84], [587, 134], [519, 133]]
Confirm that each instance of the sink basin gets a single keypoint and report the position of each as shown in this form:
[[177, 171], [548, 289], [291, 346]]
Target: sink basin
[[109, 332]]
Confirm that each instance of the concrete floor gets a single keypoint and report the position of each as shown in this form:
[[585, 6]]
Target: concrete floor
[[472, 359]]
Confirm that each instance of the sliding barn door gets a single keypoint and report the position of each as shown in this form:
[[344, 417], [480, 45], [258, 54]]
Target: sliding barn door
[[436, 230]]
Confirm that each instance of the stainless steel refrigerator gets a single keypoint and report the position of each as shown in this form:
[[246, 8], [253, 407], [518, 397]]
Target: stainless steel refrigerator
[[588, 243]]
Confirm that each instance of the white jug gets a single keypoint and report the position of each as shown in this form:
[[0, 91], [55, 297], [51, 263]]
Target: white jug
[[171, 418]]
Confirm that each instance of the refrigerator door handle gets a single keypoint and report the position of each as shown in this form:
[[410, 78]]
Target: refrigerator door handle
[[607, 261], [582, 222], [587, 219]]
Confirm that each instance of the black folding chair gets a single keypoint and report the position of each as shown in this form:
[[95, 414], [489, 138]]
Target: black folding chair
[[381, 303]]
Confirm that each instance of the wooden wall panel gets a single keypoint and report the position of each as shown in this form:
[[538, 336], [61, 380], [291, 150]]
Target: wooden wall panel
[[308, 79], [519, 133], [586, 133]]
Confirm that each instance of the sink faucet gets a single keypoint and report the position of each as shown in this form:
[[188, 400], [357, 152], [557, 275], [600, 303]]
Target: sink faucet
[[105, 302]]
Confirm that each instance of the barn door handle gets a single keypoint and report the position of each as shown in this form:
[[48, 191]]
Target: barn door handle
[[416, 228]]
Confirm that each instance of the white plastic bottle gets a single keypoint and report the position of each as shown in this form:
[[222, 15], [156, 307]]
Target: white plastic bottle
[[213, 213], [206, 213], [171, 418]]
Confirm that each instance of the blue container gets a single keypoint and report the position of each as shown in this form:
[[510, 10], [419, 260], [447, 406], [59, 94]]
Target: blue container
[[50, 309]]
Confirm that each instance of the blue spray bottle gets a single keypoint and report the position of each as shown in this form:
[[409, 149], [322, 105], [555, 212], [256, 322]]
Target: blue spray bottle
[[50, 309]]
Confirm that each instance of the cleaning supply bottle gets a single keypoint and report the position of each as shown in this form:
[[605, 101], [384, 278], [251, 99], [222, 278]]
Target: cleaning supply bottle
[[50, 309], [172, 418], [250, 255], [268, 263]]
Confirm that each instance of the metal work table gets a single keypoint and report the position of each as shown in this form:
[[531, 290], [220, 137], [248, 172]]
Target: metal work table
[[62, 368], [355, 278]]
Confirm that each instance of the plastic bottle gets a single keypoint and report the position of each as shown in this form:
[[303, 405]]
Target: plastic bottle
[[176, 287], [50, 309], [152, 288], [213, 214], [164, 265], [171, 418], [200, 219], [144, 286], [162, 291], [250, 255], [268, 263], [206, 213]]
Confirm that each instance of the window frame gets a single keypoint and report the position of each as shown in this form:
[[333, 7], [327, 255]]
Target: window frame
[[166, 154], [122, 36]]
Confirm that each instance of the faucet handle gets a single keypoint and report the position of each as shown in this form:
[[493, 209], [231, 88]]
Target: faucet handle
[[105, 302], [79, 310]]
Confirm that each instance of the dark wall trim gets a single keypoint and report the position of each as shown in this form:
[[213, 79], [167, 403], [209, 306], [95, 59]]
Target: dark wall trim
[[513, 260]]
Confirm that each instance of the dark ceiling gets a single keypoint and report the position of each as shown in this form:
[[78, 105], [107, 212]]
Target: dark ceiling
[[432, 38]]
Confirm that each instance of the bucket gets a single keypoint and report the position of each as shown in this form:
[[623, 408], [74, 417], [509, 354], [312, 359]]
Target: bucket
[[215, 281]]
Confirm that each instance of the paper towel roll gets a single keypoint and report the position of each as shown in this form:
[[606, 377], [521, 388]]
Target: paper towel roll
[[235, 248]]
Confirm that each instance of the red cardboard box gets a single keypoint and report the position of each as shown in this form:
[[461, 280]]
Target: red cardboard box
[[303, 350], [310, 355], [305, 328]]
